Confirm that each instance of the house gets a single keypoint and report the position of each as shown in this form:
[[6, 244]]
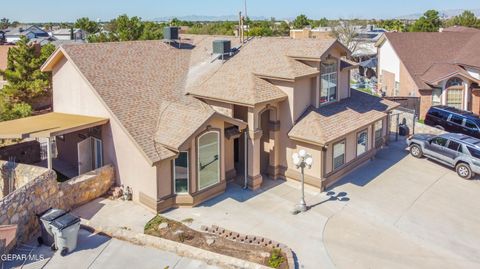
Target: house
[[12, 35], [440, 68], [69, 34], [3, 61], [319, 32], [178, 121]]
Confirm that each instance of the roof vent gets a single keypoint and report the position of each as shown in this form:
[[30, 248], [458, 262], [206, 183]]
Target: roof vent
[[171, 33], [222, 47]]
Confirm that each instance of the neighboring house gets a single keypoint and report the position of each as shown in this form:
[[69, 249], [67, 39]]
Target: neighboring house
[[438, 68], [177, 122], [69, 34], [2, 37], [12, 35], [320, 33]]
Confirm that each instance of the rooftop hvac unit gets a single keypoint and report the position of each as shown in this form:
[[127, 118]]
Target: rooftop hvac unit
[[171, 33], [221, 46]]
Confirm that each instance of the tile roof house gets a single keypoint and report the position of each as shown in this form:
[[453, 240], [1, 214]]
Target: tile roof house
[[12, 35], [438, 68], [179, 121]]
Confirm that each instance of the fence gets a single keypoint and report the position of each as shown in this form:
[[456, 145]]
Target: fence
[[402, 118], [407, 102]]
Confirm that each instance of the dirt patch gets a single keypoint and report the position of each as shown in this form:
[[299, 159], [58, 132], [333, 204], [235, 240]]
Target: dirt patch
[[179, 232]]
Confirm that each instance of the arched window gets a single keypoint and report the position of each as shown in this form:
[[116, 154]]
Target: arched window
[[454, 89], [454, 82], [208, 159]]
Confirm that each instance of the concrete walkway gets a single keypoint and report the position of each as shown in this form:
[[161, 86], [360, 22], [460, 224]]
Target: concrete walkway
[[100, 252]]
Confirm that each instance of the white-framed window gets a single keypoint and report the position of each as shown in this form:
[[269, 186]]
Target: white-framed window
[[455, 98], [396, 89], [181, 171], [338, 154], [328, 82], [208, 149], [362, 142], [436, 96]]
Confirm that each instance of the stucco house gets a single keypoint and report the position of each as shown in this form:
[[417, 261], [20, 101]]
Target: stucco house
[[177, 121], [441, 68]]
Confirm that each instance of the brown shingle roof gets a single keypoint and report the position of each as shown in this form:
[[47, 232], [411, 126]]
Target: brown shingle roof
[[420, 52], [238, 80], [142, 83], [330, 122]]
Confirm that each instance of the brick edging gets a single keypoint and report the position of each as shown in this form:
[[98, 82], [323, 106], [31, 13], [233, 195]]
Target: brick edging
[[251, 240]]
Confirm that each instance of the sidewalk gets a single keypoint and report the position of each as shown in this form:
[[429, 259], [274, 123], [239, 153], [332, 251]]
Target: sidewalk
[[99, 252]]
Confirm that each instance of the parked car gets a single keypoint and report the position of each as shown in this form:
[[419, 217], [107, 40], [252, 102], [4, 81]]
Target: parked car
[[459, 151], [453, 120]]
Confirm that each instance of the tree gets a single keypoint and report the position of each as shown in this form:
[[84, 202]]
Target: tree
[[345, 33], [87, 25], [429, 22], [392, 25], [4, 23], [467, 19], [25, 81], [301, 21], [152, 31]]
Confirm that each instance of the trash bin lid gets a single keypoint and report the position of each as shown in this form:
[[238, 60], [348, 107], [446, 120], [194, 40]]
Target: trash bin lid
[[65, 221], [52, 214]]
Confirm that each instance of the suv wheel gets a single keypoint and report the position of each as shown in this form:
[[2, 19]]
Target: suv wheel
[[464, 171], [440, 127], [416, 151]]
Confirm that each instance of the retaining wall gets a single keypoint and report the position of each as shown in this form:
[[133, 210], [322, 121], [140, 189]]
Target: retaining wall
[[43, 192]]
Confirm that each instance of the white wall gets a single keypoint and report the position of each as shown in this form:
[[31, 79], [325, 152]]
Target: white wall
[[388, 60], [473, 72], [72, 94]]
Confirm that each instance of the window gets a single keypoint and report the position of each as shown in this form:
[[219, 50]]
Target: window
[[456, 119], [454, 82], [181, 172], [454, 98], [440, 141], [471, 125], [474, 152], [208, 159], [438, 113], [362, 141], [328, 90], [436, 97], [378, 129], [455, 146], [396, 89], [338, 154]]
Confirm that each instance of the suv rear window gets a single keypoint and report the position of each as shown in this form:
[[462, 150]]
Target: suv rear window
[[469, 124], [438, 113], [474, 152]]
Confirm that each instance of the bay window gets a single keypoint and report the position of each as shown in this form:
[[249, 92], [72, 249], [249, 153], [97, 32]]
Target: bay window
[[180, 173]]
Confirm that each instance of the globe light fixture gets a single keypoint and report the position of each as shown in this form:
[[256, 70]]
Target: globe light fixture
[[302, 160]]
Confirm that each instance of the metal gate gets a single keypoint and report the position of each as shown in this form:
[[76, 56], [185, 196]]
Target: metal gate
[[401, 118]]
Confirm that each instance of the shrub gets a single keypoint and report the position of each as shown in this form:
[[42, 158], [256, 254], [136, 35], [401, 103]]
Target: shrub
[[153, 223], [276, 258]]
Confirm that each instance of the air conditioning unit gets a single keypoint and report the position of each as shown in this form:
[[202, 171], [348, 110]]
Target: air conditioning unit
[[222, 46], [171, 33]]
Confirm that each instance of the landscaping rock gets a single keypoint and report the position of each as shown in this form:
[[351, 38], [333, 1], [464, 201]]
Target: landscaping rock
[[162, 225], [210, 241], [264, 254]]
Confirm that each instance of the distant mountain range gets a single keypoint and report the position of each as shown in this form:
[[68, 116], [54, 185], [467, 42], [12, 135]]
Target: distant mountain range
[[446, 14], [206, 18]]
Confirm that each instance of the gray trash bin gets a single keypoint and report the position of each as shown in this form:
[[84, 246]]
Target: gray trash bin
[[65, 231], [46, 218]]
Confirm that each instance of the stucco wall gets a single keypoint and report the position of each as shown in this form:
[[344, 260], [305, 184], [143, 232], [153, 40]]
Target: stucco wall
[[388, 60], [223, 108], [72, 94]]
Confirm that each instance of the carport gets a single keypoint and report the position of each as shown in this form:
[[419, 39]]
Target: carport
[[47, 127]]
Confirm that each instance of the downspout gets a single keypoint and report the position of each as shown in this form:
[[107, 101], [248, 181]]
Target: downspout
[[245, 186], [324, 166]]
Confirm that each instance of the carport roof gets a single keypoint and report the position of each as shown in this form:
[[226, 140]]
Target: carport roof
[[47, 125]]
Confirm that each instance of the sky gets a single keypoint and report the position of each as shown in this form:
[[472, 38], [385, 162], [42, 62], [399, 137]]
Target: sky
[[69, 10]]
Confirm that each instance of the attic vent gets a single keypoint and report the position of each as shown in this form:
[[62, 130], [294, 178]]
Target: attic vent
[[171, 33], [222, 46]]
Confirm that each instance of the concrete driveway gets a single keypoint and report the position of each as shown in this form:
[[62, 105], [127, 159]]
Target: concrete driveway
[[394, 212], [99, 252]]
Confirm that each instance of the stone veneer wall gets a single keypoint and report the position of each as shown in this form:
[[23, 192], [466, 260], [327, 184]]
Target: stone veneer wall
[[43, 192], [22, 174]]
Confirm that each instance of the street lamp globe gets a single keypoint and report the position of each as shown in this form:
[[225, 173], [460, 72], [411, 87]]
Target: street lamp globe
[[302, 153], [309, 161]]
